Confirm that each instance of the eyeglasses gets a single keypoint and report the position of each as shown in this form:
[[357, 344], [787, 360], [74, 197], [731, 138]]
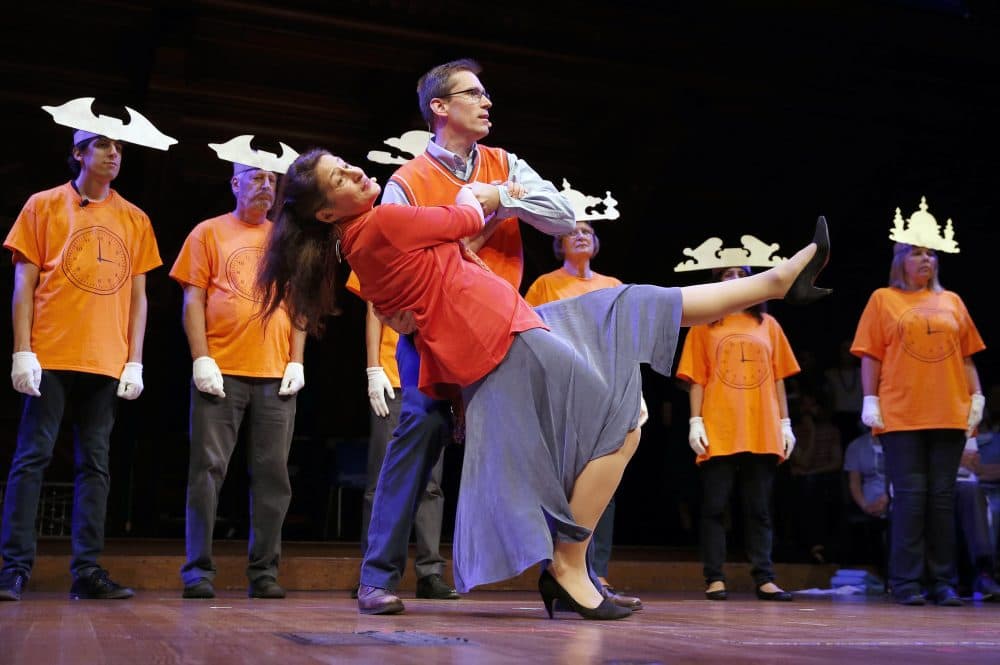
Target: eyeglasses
[[475, 94], [579, 232]]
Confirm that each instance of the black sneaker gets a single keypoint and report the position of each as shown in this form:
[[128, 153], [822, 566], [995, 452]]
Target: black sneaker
[[12, 584], [434, 588], [98, 586], [265, 587], [201, 589]]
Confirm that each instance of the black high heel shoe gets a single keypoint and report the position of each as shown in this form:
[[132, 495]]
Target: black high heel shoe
[[551, 591], [802, 291]]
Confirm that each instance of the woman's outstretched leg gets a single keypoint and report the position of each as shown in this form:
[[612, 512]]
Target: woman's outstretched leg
[[592, 491], [704, 303]]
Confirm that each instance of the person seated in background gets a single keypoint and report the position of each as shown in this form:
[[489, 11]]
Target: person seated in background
[[988, 469], [976, 552], [864, 463]]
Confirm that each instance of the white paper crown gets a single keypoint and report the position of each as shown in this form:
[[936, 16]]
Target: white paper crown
[[583, 204], [413, 143], [77, 113], [922, 230], [238, 151], [711, 254]]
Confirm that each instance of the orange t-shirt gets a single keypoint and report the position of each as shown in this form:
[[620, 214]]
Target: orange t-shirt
[[387, 342], [425, 182], [87, 257], [738, 362], [560, 284], [221, 255], [922, 339]]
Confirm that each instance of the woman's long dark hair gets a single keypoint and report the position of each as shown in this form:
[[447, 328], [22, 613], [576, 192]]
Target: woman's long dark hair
[[299, 267]]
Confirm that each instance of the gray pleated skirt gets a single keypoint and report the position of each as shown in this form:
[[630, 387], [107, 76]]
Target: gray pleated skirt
[[558, 400]]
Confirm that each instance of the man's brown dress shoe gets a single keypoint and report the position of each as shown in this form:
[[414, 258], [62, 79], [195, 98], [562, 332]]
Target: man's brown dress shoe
[[631, 602], [373, 600]]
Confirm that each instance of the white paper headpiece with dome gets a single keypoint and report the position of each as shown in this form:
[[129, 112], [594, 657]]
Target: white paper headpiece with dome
[[244, 157], [711, 254], [78, 114], [585, 207], [923, 230]]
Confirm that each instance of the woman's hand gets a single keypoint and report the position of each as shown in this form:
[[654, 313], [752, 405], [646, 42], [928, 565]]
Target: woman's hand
[[871, 412], [697, 438]]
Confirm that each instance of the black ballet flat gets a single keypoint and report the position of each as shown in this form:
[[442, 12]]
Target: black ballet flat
[[551, 591], [781, 596], [802, 291], [721, 594]]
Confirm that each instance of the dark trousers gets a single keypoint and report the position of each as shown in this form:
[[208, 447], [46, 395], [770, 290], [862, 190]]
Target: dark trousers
[[921, 467], [91, 401], [215, 427], [755, 475], [604, 533], [430, 509], [424, 428]]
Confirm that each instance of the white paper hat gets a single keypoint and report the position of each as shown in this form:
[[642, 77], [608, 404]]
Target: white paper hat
[[922, 230], [238, 151], [711, 254], [584, 206], [413, 143], [77, 113]]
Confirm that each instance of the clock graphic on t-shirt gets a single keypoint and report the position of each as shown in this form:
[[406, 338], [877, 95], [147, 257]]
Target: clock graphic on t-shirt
[[742, 362], [241, 271], [96, 260], [928, 333]]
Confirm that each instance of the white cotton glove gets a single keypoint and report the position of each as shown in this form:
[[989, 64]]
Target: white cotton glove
[[130, 384], [871, 412], [643, 412], [697, 437], [975, 412], [26, 373], [378, 388], [207, 376], [293, 380], [787, 436]]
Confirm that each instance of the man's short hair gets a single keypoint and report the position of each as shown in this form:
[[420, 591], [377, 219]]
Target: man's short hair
[[74, 165], [436, 82]]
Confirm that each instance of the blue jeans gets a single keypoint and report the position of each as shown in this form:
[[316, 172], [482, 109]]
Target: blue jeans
[[921, 466], [92, 402], [430, 509], [601, 543], [424, 429], [755, 474]]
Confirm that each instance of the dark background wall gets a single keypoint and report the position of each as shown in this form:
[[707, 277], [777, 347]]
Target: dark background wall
[[702, 118]]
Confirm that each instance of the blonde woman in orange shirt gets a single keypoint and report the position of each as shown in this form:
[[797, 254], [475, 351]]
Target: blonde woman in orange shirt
[[922, 397], [739, 430]]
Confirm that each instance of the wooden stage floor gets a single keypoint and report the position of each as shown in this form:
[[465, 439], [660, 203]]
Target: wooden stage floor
[[46, 628]]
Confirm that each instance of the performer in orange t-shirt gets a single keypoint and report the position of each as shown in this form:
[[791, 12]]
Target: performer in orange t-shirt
[[81, 253], [922, 398], [245, 368], [574, 278], [536, 481], [740, 431]]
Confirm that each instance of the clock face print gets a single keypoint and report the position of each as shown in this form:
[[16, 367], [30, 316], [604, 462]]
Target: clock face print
[[95, 260], [928, 334], [741, 361], [241, 271]]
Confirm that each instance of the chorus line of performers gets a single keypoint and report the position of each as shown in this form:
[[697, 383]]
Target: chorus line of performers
[[439, 262]]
